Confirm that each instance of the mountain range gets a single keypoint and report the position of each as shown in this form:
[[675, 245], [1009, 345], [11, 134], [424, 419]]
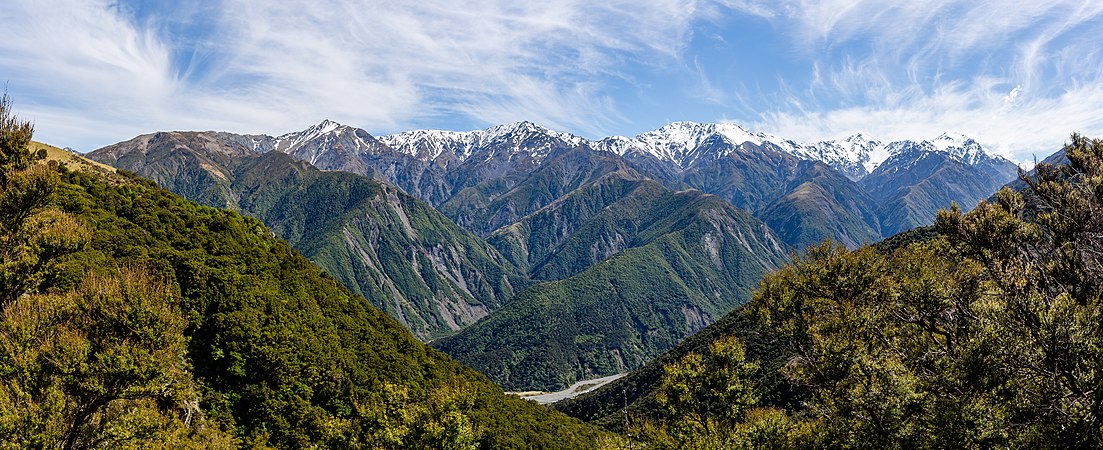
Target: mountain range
[[554, 257], [933, 338], [487, 179], [874, 190], [640, 268], [406, 258], [176, 325]]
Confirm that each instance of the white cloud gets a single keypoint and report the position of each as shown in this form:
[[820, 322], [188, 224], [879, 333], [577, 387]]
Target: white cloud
[[273, 66], [1035, 127], [1017, 76]]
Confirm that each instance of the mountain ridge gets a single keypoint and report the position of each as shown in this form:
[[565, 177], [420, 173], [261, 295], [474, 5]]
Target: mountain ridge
[[363, 231], [674, 142]]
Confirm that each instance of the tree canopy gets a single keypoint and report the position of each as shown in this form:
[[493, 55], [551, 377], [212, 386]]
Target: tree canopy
[[986, 333]]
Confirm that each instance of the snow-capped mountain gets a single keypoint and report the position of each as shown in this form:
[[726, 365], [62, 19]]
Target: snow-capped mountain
[[486, 179], [856, 156], [327, 139], [901, 155], [960, 147], [680, 143], [510, 139]]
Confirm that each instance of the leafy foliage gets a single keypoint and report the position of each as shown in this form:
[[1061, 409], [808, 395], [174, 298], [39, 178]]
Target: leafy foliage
[[102, 366], [632, 398], [281, 352], [984, 335], [701, 390], [180, 326], [32, 236]]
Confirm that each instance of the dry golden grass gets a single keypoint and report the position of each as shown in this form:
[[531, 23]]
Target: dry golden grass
[[77, 162]]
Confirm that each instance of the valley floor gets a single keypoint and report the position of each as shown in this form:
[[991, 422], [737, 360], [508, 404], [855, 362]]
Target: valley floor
[[574, 390]]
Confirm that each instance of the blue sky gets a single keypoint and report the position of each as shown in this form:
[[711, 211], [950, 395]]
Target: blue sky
[[1017, 76]]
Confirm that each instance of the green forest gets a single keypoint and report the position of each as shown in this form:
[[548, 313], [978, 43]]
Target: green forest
[[132, 318], [982, 332], [135, 319]]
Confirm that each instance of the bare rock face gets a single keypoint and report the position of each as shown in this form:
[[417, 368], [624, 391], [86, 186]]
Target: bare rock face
[[404, 257]]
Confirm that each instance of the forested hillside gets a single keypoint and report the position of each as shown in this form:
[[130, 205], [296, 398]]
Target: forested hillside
[[394, 250], [685, 259], [984, 333], [578, 209], [135, 319]]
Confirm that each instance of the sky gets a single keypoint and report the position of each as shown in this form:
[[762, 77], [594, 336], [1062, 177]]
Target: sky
[[1019, 77]]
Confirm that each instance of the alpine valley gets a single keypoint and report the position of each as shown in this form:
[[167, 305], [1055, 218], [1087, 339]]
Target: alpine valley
[[542, 258]]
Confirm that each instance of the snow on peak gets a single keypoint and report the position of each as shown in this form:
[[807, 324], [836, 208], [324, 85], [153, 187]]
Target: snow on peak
[[959, 146], [681, 142], [955, 145], [311, 143], [326, 126], [860, 138], [520, 137], [691, 134], [673, 142], [854, 156], [522, 130], [315, 131], [428, 145]]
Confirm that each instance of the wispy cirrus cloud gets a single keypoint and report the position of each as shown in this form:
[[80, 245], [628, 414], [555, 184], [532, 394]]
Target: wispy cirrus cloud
[[259, 66], [1019, 77]]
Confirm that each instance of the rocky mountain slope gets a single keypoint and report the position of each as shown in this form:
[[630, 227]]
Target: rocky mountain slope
[[406, 258], [678, 261], [920, 178], [752, 170], [601, 223], [489, 178]]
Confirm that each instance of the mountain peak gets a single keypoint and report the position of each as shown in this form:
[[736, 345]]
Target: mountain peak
[[677, 141], [947, 140], [955, 145], [861, 138], [326, 126], [517, 137], [523, 126]]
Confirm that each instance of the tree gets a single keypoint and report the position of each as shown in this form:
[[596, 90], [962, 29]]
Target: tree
[[102, 366], [395, 419], [1043, 250], [989, 334], [33, 237], [705, 394]]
